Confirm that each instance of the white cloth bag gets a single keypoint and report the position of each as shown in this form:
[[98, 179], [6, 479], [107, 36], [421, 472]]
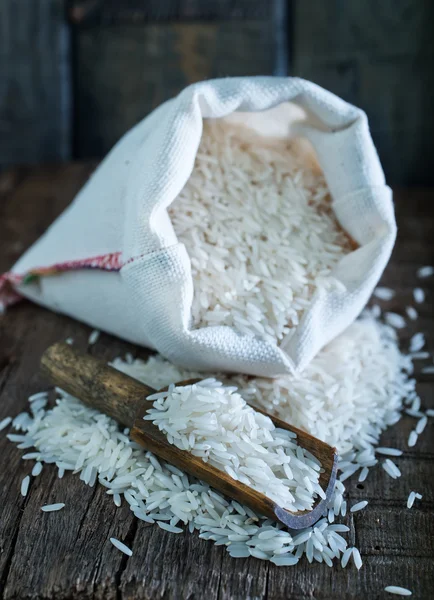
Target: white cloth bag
[[124, 271]]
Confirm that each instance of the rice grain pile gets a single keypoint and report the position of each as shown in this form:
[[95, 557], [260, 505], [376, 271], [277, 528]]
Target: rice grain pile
[[256, 219], [352, 390], [213, 422]]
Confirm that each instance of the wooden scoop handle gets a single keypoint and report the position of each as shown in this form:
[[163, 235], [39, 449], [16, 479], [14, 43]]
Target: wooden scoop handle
[[94, 382], [124, 398]]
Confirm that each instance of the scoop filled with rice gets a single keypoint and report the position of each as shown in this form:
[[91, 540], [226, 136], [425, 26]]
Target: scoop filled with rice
[[213, 421]]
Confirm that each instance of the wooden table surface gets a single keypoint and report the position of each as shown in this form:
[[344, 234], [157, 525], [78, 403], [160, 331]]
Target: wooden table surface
[[68, 555]]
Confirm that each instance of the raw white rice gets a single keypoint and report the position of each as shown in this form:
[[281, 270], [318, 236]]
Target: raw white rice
[[397, 590], [417, 342], [428, 370], [348, 395], [170, 528], [5, 422], [430, 412], [412, 313], [412, 497], [414, 413], [122, 547], [38, 404], [93, 337], [37, 469], [421, 424], [418, 295], [237, 439], [346, 557], [52, 507], [384, 293], [357, 559], [388, 451], [427, 271], [359, 506], [390, 468], [375, 311], [363, 474], [284, 561], [242, 186], [412, 439], [395, 320], [38, 396], [25, 485], [420, 355]]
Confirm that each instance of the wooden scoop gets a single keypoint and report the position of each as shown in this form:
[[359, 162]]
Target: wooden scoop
[[124, 398]]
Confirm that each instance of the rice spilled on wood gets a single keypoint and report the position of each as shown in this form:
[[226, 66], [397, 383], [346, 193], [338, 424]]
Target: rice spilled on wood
[[93, 337], [397, 590], [419, 295], [157, 492], [417, 342], [53, 507], [395, 320], [424, 272], [25, 485], [391, 469], [412, 439], [357, 559], [384, 293], [411, 313], [5, 422], [37, 469], [359, 506], [121, 546], [412, 497], [388, 451]]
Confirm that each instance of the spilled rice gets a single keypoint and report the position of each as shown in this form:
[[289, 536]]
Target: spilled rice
[[351, 392]]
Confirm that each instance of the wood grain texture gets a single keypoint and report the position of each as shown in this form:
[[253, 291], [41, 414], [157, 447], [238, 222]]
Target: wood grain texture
[[125, 71], [94, 382], [68, 555], [379, 56], [135, 11], [35, 92]]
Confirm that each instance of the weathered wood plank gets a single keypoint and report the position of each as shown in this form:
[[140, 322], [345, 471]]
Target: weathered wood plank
[[35, 82], [321, 583], [125, 71], [136, 11], [349, 27], [384, 531], [171, 566], [68, 555], [379, 56]]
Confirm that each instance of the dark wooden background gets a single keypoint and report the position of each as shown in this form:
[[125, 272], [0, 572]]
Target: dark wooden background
[[76, 74]]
